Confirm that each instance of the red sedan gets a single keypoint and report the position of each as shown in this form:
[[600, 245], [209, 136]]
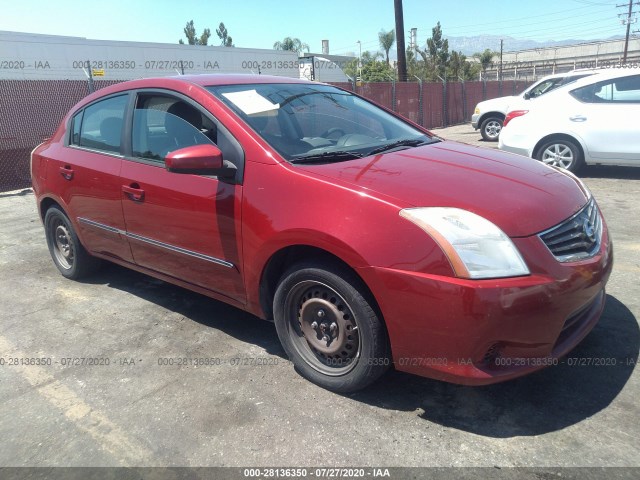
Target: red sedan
[[366, 239]]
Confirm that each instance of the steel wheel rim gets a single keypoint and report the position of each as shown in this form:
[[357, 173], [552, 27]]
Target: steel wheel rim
[[492, 129], [62, 245], [332, 346], [558, 155]]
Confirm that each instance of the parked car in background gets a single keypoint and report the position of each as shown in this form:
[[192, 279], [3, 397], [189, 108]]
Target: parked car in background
[[366, 239], [595, 120], [489, 114]]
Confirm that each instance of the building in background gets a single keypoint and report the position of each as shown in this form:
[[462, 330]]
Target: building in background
[[537, 62], [25, 56]]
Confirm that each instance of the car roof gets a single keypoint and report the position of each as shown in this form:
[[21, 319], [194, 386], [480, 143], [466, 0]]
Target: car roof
[[599, 76], [208, 80], [175, 82]]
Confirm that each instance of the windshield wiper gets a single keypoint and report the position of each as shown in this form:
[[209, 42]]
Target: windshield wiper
[[407, 142], [327, 157]]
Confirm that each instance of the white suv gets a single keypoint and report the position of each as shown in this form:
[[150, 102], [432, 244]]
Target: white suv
[[595, 120], [489, 115]]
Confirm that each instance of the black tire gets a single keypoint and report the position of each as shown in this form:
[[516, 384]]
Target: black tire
[[355, 351], [68, 254], [490, 129], [563, 153]]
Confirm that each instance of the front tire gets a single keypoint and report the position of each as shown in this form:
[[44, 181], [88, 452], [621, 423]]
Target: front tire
[[561, 153], [68, 254], [328, 328], [490, 129]]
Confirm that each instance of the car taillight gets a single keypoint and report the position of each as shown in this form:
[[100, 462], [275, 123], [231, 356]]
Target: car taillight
[[511, 115]]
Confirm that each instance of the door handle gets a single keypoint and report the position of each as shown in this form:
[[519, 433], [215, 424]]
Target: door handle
[[578, 118], [134, 192], [66, 172]]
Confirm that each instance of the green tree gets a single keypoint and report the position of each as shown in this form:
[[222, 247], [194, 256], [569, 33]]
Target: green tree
[[386, 39], [435, 62], [415, 66], [373, 68], [459, 67], [438, 50], [223, 35], [192, 36], [291, 44], [377, 72], [486, 59]]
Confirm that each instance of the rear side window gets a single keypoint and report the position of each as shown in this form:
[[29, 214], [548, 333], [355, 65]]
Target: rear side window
[[616, 90], [99, 126]]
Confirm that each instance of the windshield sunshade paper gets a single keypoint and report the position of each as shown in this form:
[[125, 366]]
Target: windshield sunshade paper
[[251, 102]]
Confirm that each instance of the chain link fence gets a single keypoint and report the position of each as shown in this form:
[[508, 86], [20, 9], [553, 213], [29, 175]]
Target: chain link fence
[[31, 110]]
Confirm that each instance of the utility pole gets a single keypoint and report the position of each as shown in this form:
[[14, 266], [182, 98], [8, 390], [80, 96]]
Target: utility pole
[[500, 74], [359, 79], [402, 55], [628, 21]]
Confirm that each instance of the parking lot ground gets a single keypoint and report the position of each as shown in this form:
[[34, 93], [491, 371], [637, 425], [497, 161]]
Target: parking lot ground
[[158, 403]]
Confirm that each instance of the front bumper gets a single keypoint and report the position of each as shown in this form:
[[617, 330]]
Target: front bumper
[[474, 120], [478, 332]]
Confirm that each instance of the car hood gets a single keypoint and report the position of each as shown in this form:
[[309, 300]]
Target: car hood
[[520, 195], [499, 104]]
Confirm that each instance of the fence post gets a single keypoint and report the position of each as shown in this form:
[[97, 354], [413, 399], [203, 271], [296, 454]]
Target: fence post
[[445, 119], [394, 104], [420, 103], [484, 89], [91, 86], [464, 99]]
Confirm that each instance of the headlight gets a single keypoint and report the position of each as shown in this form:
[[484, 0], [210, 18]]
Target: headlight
[[475, 247], [477, 110]]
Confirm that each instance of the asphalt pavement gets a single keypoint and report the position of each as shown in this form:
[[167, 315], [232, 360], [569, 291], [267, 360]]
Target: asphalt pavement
[[172, 378]]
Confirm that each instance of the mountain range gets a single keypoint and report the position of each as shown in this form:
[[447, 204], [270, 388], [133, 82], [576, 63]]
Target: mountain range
[[471, 45]]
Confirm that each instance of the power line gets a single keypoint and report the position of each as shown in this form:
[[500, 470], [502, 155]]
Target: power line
[[628, 21]]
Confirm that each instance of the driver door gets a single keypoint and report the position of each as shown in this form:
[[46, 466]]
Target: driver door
[[182, 225]]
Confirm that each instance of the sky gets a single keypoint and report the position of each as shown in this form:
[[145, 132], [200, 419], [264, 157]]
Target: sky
[[258, 24]]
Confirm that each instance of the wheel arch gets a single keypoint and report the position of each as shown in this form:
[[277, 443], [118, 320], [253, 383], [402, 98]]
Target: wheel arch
[[559, 136], [494, 113], [46, 203], [281, 260]]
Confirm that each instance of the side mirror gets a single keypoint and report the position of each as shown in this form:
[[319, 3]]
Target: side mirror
[[527, 95], [197, 159]]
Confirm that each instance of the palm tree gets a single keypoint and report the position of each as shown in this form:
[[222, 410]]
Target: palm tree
[[387, 39], [291, 44]]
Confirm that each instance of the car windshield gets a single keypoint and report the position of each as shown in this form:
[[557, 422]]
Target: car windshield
[[551, 84], [314, 123]]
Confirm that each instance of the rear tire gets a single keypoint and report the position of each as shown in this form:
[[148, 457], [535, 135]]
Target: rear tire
[[561, 153], [68, 254], [328, 328], [490, 129]]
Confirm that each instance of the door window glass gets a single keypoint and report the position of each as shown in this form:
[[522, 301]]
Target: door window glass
[[164, 124]]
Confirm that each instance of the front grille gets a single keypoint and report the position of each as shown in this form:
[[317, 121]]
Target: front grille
[[576, 238]]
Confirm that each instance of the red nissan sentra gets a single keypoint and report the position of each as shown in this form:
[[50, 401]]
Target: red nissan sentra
[[368, 241]]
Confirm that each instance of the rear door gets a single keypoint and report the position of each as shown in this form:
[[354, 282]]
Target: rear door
[[86, 173], [185, 226]]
